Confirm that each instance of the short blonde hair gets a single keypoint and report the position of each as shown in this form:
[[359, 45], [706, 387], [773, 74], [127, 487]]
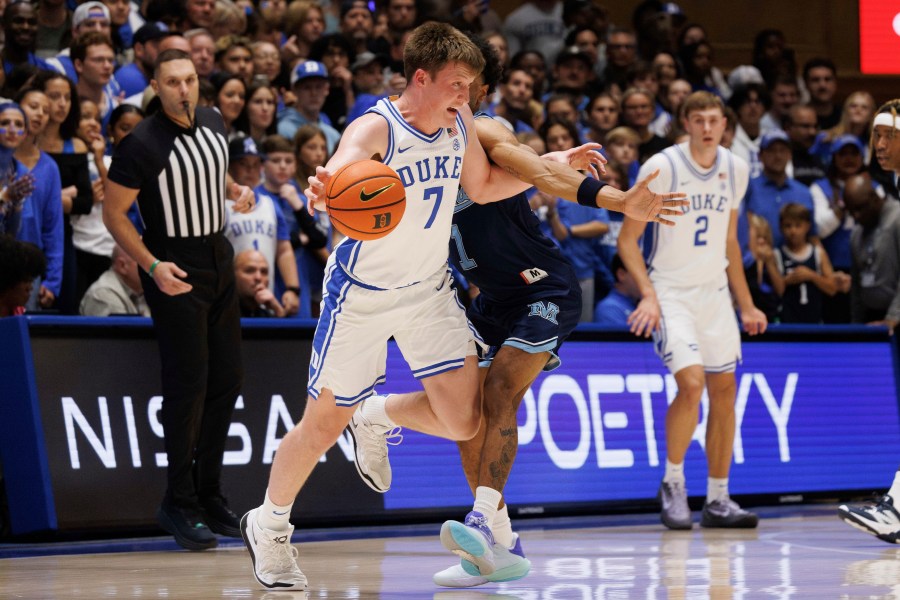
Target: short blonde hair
[[623, 135], [434, 45]]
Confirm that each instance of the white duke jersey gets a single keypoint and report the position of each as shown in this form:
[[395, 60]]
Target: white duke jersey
[[429, 165], [694, 250]]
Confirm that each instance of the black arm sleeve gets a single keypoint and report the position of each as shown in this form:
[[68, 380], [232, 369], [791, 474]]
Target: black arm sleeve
[[317, 237]]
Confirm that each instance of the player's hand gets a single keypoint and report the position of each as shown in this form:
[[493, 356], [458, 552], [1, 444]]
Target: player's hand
[[641, 204], [169, 279], [585, 157], [644, 319], [245, 198], [754, 321], [315, 193]]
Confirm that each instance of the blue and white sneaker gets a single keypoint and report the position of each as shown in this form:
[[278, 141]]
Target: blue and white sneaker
[[510, 565], [880, 519], [471, 540]]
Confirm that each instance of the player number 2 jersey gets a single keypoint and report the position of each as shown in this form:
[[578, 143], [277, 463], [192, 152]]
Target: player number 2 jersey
[[429, 165], [694, 250]]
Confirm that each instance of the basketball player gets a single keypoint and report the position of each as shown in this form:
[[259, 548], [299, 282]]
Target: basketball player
[[530, 301], [687, 307], [881, 519], [395, 286]]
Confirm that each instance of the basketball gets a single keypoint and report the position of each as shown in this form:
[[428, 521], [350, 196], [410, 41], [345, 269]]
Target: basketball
[[365, 200]]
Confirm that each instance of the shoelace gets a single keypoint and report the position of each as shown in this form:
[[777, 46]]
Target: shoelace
[[283, 558], [376, 444]]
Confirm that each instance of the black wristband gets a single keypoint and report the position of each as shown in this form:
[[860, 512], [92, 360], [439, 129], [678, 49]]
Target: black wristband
[[588, 190], [296, 290]]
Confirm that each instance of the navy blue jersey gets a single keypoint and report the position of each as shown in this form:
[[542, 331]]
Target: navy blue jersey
[[499, 247], [802, 302]]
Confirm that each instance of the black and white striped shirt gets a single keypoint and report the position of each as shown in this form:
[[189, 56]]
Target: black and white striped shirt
[[180, 174]]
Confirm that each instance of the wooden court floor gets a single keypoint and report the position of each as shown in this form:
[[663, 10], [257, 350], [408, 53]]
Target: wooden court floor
[[795, 554]]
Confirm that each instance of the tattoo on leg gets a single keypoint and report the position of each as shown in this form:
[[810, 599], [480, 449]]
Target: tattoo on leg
[[500, 468]]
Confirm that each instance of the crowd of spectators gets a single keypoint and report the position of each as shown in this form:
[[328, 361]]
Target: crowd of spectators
[[288, 77]]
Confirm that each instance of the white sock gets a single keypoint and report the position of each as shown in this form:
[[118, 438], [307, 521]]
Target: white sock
[[674, 472], [894, 492], [501, 526], [375, 411], [716, 489], [486, 502], [272, 516]]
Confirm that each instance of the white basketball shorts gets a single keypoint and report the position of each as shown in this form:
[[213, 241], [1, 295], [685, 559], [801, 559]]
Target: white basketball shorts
[[698, 327], [350, 345]]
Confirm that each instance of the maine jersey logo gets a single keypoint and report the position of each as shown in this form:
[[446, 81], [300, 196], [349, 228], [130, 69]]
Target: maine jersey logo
[[545, 311], [533, 274]]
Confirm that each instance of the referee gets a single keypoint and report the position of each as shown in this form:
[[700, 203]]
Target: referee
[[174, 163]]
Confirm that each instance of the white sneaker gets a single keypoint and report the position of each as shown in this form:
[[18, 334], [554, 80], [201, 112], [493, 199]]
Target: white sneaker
[[274, 559], [471, 540], [370, 444], [881, 519], [510, 564]]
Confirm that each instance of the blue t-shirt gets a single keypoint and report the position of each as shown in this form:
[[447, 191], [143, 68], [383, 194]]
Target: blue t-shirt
[[131, 80], [583, 253], [765, 198], [614, 309]]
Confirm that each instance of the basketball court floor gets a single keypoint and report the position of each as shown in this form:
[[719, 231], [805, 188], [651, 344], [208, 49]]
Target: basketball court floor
[[797, 553]]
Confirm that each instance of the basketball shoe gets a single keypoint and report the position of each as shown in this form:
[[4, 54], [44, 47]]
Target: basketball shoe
[[187, 526], [726, 513], [471, 540], [510, 564], [274, 559], [219, 517], [880, 519], [370, 444], [675, 514]]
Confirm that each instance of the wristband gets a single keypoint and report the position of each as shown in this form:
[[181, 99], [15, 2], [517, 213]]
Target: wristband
[[152, 267], [588, 190], [296, 290]]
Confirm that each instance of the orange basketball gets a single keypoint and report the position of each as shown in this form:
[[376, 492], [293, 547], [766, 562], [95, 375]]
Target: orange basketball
[[365, 199]]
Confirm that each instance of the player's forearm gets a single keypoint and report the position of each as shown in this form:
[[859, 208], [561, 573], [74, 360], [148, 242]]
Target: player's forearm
[[553, 178], [737, 279]]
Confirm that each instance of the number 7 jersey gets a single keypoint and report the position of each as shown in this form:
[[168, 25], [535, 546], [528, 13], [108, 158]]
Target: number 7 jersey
[[429, 165], [693, 252]]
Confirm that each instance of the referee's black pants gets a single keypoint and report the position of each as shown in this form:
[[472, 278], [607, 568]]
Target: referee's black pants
[[199, 335]]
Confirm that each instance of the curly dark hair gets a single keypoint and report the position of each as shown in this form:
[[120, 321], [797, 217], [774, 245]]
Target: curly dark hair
[[493, 70], [19, 262]]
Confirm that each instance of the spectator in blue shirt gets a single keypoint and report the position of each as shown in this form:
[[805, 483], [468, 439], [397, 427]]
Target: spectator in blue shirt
[[771, 190], [134, 77], [616, 307]]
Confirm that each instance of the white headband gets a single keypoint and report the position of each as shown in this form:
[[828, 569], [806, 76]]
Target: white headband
[[887, 120]]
